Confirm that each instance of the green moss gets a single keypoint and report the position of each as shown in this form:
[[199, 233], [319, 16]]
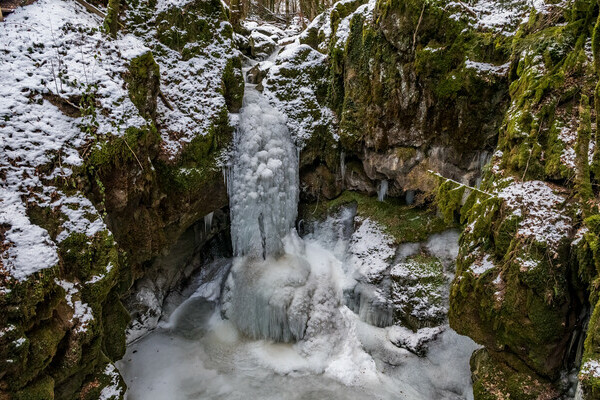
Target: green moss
[[84, 257], [116, 318], [551, 73], [111, 21], [143, 84], [590, 383], [405, 153], [24, 299], [341, 10], [191, 28], [114, 151], [583, 184], [43, 345], [372, 80], [233, 84], [449, 200], [495, 380], [504, 235], [41, 389], [595, 166], [198, 162], [404, 223]]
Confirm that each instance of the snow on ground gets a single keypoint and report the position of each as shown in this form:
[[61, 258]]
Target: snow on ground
[[543, 218], [500, 16], [592, 368], [342, 31], [322, 25], [486, 68], [568, 137], [371, 249], [415, 342], [192, 85], [52, 52], [115, 390], [82, 313], [482, 265], [291, 87]]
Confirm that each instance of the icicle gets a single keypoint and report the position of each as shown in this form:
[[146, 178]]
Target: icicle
[[410, 197], [343, 166], [208, 222], [383, 188], [578, 392]]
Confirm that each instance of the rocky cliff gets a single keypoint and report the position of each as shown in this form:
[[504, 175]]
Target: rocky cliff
[[111, 150], [498, 100], [114, 146]]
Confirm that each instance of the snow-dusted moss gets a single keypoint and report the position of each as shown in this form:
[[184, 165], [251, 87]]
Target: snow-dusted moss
[[418, 292]]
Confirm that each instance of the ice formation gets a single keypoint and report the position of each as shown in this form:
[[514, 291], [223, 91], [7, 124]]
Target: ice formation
[[382, 192], [295, 317], [263, 182]]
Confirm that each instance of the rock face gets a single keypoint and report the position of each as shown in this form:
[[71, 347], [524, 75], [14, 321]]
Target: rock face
[[524, 273], [414, 88], [418, 86], [133, 161], [399, 271]]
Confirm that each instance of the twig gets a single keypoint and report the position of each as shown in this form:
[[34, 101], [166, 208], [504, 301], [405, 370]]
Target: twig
[[96, 11], [165, 100], [467, 9], [91, 8], [54, 75], [418, 25], [60, 164], [271, 13], [458, 183], [527, 166], [133, 152]]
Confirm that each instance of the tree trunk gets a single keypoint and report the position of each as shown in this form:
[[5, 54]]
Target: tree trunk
[[236, 14], [111, 22]]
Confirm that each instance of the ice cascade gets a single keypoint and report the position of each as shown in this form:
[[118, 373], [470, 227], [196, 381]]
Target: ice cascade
[[263, 181]]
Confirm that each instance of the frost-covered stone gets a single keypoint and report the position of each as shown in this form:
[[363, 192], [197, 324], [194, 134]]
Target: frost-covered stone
[[261, 45], [418, 292]]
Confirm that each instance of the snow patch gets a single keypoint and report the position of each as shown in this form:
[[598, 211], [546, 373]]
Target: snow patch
[[541, 210]]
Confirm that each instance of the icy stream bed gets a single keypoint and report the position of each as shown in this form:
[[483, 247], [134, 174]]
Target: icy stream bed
[[317, 317], [196, 353]]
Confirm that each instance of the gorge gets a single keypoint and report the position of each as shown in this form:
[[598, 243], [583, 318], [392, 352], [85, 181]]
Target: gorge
[[394, 199]]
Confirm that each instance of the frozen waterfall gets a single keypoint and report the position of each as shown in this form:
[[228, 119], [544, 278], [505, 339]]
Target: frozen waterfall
[[263, 180], [266, 295]]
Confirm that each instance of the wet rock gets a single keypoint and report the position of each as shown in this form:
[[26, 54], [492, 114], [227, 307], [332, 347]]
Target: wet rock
[[494, 379], [320, 183]]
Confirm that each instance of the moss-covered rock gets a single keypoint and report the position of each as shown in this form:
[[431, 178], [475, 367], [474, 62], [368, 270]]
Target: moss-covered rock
[[143, 82], [418, 292], [495, 380], [190, 28], [390, 92], [519, 288], [402, 222]]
